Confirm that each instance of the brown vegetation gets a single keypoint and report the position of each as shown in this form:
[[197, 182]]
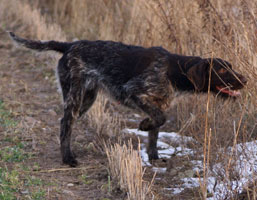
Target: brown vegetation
[[226, 29]]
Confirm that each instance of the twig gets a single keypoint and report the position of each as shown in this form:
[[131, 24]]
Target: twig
[[64, 169]]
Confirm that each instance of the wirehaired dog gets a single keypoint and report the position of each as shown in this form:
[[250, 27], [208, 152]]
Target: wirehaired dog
[[140, 78]]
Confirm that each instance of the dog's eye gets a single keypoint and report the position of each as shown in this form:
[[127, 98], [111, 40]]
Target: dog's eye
[[222, 71]]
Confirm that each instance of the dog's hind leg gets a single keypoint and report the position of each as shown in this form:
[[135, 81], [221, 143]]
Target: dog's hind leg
[[75, 106], [88, 99], [78, 101], [65, 136], [79, 93], [71, 109]]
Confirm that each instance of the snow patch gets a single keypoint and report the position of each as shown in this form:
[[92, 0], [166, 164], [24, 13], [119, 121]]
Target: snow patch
[[245, 166]]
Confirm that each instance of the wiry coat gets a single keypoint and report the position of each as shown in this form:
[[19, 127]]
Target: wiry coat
[[137, 77]]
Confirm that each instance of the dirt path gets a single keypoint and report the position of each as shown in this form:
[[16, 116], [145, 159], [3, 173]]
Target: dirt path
[[28, 89]]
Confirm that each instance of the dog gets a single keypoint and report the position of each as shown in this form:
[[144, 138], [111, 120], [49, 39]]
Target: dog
[[143, 79]]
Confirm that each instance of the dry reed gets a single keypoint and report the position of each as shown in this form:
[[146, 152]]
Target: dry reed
[[125, 165], [226, 29]]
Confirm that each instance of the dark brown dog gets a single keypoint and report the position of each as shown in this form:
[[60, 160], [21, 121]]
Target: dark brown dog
[[140, 78]]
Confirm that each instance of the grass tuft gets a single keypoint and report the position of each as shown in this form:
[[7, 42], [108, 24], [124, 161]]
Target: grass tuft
[[126, 167]]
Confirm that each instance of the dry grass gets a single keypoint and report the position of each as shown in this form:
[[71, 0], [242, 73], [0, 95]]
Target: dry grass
[[103, 119], [126, 167], [226, 29], [29, 21]]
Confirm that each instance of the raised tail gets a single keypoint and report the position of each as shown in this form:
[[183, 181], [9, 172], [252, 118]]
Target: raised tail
[[38, 45]]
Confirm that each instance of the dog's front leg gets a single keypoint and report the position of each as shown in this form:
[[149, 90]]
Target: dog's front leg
[[151, 124], [152, 144]]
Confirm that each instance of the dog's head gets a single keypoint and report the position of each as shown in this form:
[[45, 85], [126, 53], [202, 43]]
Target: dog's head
[[223, 79]]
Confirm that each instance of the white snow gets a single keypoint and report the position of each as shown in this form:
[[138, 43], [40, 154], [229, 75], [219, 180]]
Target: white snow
[[165, 149], [159, 169], [245, 166]]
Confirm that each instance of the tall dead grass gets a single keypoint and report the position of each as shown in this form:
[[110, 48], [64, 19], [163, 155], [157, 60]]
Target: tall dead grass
[[29, 21], [103, 119], [226, 29], [126, 166]]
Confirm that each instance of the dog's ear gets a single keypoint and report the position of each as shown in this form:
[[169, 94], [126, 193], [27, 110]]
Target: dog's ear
[[198, 74]]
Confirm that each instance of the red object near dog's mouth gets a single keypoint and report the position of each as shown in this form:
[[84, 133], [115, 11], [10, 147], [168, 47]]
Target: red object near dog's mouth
[[233, 93]]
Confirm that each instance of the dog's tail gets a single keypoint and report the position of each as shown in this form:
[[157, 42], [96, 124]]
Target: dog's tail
[[38, 45]]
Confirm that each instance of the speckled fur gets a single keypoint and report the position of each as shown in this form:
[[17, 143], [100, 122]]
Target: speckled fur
[[140, 78]]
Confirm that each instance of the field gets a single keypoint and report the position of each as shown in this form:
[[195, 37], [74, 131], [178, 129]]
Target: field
[[208, 149]]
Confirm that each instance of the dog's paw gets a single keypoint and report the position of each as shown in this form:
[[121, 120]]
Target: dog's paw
[[70, 160], [146, 125]]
